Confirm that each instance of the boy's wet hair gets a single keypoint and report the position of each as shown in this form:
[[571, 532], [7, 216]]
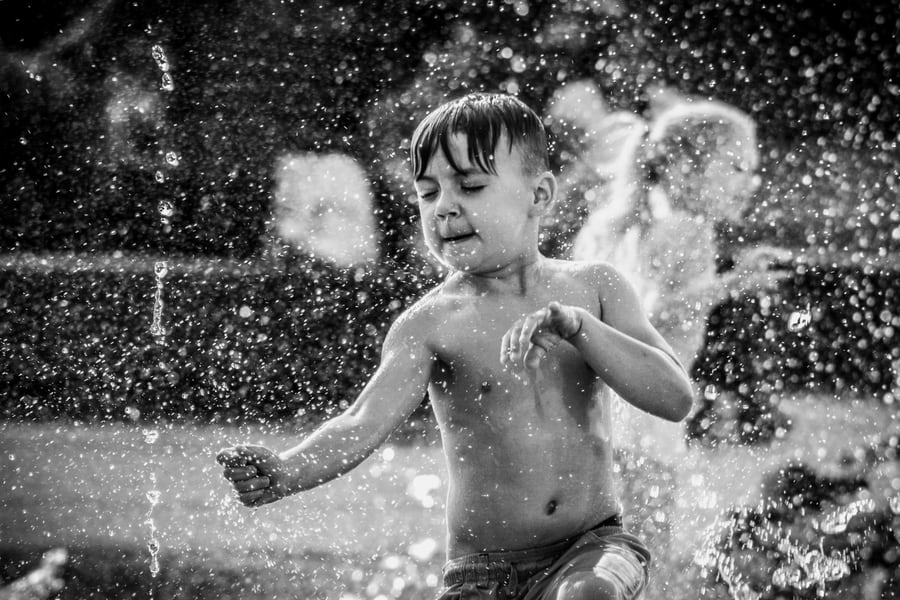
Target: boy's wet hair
[[482, 119]]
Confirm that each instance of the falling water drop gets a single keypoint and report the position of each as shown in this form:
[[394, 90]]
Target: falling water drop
[[160, 178], [834, 568], [154, 562], [153, 543], [834, 523], [158, 53], [172, 158], [150, 436], [894, 503], [799, 319], [166, 82], [160, 269], [787, 576], [710, 392], [165, 208]]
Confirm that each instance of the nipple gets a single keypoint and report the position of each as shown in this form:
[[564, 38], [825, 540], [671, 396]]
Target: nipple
[[551, 507]]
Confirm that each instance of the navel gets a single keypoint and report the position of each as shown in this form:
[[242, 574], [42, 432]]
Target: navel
[[551, 507]]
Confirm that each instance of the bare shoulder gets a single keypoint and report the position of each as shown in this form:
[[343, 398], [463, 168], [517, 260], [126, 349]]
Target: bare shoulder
[[612, 287], [417, 324], [598, 274]]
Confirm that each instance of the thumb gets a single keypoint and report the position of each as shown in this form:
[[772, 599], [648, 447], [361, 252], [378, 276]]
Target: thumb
[[565, 319], [561, 314], [231, 457]]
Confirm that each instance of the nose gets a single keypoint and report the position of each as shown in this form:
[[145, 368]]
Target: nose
[[446, 205]]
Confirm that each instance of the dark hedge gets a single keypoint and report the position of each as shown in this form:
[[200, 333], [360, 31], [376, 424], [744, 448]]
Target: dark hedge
[[752, 354], [256, 341], [245, 342]]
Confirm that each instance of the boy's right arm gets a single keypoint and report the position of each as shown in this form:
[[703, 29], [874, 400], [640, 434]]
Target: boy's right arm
[[395, 390]]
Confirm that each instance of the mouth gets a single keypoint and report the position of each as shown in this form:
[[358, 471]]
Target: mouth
[[453, 239]]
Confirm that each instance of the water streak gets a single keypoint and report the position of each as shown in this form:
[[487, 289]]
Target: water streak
[[160, 270]]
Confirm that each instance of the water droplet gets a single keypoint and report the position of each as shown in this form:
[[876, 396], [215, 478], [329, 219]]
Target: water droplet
[[151, 435], [799, 319], [166, 82], [157, 330], [161, 268], [245, 311], [172, 158], [834, 523], [160, 178], [23, 140], [165, 208], [788, 576], [894, 503], [834, 568], [710, 392], [157, 53], [153, 497]]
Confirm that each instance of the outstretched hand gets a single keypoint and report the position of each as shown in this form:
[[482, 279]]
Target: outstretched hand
[[531, 338], [258, 475]]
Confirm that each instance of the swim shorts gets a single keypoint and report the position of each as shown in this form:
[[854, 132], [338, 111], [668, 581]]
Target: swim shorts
[[606, 552]]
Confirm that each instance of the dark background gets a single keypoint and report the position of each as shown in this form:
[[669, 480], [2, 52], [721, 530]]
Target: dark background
[[254, 81]]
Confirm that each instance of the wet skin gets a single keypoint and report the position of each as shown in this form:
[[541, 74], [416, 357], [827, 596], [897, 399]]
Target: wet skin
[[518, 354], [529, 452]]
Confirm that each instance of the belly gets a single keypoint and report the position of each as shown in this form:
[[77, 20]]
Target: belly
[[543, 488]]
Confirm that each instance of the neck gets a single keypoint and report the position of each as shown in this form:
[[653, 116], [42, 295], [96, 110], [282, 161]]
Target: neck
[[516, 277]]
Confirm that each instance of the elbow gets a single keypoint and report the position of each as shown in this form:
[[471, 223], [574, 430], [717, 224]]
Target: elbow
[[681, 404]]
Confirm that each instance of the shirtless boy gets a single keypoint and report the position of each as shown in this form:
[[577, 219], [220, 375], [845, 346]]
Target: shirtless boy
[[519, 354]]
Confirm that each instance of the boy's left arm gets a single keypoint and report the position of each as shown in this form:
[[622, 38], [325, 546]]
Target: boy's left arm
[[623, 348]]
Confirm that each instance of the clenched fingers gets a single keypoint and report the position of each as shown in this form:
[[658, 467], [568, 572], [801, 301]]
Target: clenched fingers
[[257, 497], [251, 485], [240, 473], [543, 343]]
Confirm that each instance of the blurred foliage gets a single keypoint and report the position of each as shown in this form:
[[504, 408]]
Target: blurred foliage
[[242, 344], [86, 125], [827, 328]]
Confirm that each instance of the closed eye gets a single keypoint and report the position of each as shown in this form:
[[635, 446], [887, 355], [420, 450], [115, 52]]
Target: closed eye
[[471, 189]]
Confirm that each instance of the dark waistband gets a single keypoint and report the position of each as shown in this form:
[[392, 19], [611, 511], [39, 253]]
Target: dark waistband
[[497, 565]]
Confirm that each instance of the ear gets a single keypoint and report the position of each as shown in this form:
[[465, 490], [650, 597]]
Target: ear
[[544, 194]]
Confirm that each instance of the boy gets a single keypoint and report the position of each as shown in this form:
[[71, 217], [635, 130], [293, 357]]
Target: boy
[[519, 354]]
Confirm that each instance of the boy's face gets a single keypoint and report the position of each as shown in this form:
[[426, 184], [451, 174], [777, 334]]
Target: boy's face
[[475, 221]]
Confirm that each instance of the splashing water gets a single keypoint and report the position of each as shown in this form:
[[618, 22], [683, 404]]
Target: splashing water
[[160, 269], [150, 436], [166, 82], [837, 521], [894, 503], [803, 567], [159, 56], [799, 320], [153, 545], [166, 209]]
